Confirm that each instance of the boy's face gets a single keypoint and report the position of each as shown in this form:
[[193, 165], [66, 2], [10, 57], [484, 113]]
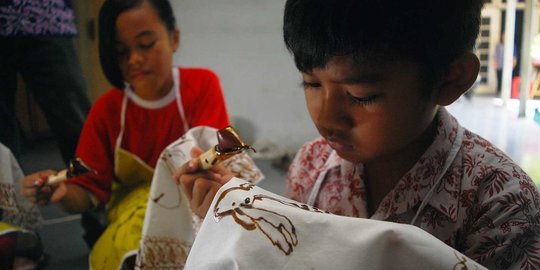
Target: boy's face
[[145, 48], [369, 113]]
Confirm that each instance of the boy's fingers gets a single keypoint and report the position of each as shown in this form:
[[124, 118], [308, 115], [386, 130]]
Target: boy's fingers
[[188, 167], [204, 206], [196, 151], [208, 199], [200, 188], [187, 182], [222, 175]]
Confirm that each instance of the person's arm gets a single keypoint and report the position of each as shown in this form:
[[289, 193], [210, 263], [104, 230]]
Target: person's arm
[[76, 199], [96, 150], [73, 199]]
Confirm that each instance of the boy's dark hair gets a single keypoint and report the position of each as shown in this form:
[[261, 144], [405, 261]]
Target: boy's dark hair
[[108, 14], [431, 33]]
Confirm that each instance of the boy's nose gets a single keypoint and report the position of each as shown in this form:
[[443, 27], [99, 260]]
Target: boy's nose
[[333, 114]]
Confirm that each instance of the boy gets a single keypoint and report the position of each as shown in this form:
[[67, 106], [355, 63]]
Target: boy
[[376, 76]]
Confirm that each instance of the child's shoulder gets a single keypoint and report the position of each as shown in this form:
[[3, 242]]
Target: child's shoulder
[[113, 95], [108, 101], [475, 146], [483, 160], [197, 72]]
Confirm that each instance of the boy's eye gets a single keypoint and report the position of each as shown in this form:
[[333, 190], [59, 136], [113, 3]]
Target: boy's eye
[[310, 84], [365, 100]]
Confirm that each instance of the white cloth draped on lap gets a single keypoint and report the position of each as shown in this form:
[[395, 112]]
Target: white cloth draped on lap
[[250, 228], [170, 227], [15, 209]]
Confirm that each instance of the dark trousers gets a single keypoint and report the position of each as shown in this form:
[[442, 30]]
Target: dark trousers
[[499, 81], [52, 75]]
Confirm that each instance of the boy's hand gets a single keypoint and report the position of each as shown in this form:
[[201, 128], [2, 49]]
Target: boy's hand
[[201, 185], [33, 187]]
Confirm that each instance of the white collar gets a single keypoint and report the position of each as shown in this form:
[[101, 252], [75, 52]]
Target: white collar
[[154, 104]]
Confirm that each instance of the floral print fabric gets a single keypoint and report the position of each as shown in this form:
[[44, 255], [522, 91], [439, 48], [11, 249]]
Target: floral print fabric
[[36, 18], [485, 206]]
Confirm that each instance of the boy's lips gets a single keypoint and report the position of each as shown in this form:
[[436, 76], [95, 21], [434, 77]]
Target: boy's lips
[[340, 145]]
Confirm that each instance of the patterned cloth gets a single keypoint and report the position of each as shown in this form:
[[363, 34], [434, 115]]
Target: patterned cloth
[[485, 206], [36, 18], [169, 225], [15, 209], [248, 227]]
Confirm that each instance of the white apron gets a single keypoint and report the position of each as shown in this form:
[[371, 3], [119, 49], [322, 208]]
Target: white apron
[[127, 207]]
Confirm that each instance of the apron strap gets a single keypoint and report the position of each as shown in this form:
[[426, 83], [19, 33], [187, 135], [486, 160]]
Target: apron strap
[[177, 88], [121, 133]]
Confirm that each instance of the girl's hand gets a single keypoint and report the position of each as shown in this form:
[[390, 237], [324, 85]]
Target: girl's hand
[[34, 189], [201, 185]]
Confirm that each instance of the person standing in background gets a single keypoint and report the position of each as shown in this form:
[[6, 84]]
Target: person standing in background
[[36, 41], [498, 62]]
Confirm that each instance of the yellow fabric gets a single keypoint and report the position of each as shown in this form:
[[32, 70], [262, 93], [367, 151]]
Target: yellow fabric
[[7, 228], [125, 212], [131, 172]]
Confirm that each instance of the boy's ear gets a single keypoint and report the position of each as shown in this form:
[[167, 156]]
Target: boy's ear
[[459, 78], [175, 39]]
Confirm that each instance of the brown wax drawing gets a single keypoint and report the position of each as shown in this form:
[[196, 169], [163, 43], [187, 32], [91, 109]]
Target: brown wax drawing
[[462, 262], [229, 144], [168, 159], [277, 227]]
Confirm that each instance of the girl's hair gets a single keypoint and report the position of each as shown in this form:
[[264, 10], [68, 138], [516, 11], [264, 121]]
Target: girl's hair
[[108, 14], [431, 33]]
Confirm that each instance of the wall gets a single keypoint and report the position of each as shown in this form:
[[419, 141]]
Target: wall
[[87, 46], [241, 40]]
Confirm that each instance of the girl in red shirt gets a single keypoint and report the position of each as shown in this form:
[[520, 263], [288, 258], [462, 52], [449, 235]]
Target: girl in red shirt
[[151, 105]]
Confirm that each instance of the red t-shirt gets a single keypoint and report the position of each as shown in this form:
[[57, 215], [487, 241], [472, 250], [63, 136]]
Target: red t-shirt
[[147, 131]]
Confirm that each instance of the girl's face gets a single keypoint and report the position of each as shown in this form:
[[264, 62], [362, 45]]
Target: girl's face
[[370, 113], [145, 49]]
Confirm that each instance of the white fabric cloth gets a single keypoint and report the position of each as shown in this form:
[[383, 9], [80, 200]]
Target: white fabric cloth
[[16, 210], [170, 226], [250, 228]]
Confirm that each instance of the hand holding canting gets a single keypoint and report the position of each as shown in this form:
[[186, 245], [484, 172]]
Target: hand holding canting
[[34, 188], [201, 185]]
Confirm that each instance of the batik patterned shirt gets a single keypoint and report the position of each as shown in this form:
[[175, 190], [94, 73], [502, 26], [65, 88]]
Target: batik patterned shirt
[[484, 205], [36, 18]]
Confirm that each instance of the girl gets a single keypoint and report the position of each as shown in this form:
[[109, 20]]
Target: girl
[[151, 105]]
